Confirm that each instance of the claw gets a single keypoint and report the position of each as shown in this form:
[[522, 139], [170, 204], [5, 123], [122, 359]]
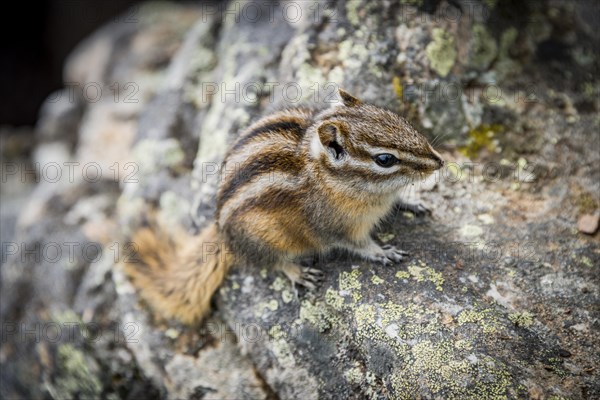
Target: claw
[[419, 209], [310, 277], [394, 254]]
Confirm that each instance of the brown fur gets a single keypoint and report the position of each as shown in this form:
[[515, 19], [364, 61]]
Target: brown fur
[[179, 279]]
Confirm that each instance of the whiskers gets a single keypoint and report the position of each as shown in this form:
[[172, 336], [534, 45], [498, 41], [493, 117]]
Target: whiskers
[[438, 138]]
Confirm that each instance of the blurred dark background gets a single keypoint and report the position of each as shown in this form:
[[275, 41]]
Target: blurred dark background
[[35, 38]]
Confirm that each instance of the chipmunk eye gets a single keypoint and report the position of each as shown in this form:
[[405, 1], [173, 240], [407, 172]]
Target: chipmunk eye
[[385, 160]]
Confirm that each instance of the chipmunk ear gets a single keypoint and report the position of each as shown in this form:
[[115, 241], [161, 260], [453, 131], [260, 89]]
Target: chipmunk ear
[[330, 135], [348, 99]]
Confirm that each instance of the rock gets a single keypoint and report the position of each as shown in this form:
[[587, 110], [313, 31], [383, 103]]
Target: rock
[[588, 223]]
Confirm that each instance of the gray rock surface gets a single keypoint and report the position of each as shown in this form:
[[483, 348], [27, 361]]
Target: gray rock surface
[[499, 298]]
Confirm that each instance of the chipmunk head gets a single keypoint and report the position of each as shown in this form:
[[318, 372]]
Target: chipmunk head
[[371, 148]]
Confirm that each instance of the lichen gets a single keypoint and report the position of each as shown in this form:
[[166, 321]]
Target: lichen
[[483, 48], [385, 237], [354, 375], [260, 308], [281, 348], [505, 66], [349, 284], [287, 296], [75, 378], [355, 55], [402, 275], [306, 78], [423, 273], [278, 284], [398, 88], [352, 11], [273, 305], [447, 368], [376, 280], [486, 319], [523, 319], [174, 207], [316, 314], [333, 299], [586, 261], [483, 136], [441, 52], [152, 155], [437, 368]]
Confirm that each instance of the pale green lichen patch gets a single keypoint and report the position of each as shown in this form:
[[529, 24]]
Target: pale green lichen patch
[[75, 379], [286, 296], [352, 11], [523, 319], [281, 348], [349, 284], [278, 284], [587, 262], [172, 333], [376, 280], [438, 368], [273, 305], [463, 344], [423, 273], [486, 319], [260, 308], [395, 324], [483, 48], [385, 237], [441, 52], [505, 66], [355, 55], [354, 375], [333, 299], [284, 353], [174, 207], [447, 368], [66, 317], [315, 314], [152, 155], [402, 275]]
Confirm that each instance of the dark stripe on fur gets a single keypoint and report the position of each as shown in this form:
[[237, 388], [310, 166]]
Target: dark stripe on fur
[[292, 127]]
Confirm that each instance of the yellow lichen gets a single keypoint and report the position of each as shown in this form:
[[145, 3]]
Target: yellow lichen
[[333, 299], [398, 88], [424, 273], [483, 136], [523, 319], [486, 319], [278, 284], [349, 283], [402, 275], [315, 314]]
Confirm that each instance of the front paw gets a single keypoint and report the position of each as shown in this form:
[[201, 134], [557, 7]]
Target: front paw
[[387, 255], [394, 253]]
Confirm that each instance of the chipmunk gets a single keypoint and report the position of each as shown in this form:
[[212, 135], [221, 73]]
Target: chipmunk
[[296, 182]]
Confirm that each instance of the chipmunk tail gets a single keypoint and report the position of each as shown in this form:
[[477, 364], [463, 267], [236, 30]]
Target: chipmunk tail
[[178, 278]]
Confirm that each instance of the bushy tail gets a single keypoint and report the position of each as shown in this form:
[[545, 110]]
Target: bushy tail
[[179, 279]]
